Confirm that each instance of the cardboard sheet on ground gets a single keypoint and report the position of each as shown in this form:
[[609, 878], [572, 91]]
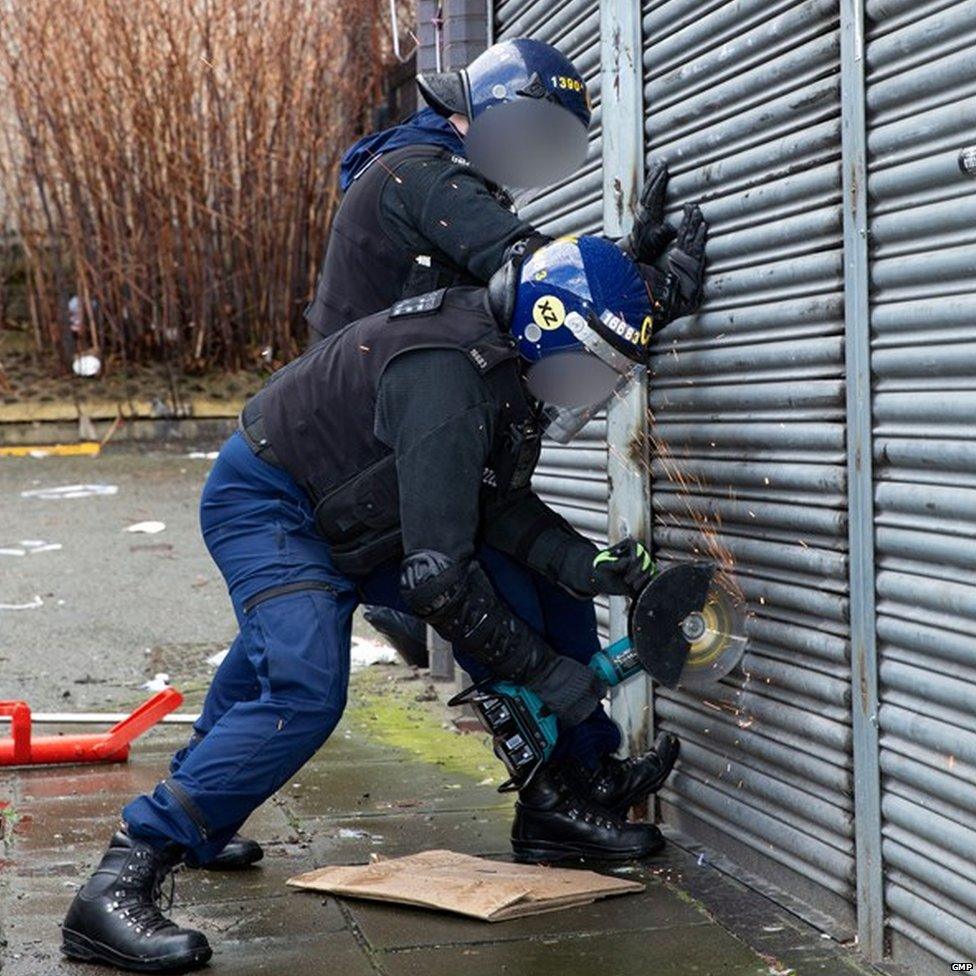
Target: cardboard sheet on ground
[[492, 891]]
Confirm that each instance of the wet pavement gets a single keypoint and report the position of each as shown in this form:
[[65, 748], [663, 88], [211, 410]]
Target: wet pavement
[[361, 796], [394, 779]]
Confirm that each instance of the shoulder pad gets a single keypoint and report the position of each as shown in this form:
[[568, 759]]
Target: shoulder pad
[[418, 304]]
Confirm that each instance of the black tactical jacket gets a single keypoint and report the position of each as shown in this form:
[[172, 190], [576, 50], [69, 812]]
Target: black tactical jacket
[[410, 430], [415, 220]]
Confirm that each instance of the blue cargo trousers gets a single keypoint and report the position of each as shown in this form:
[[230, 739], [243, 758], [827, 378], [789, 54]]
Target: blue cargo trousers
[[282, 687]]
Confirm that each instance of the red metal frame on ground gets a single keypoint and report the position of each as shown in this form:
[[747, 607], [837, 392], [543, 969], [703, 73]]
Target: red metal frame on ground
[[22, 749]]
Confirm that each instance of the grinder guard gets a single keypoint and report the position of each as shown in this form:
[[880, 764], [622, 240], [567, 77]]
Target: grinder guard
[[657, 613]]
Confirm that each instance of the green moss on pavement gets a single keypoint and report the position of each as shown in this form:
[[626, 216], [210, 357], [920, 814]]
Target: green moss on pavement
[[387, 712]]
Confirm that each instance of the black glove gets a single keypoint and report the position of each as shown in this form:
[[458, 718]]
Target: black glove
[[623, 569], [651, 234], [677, 290], [569, 689], [686, 260]]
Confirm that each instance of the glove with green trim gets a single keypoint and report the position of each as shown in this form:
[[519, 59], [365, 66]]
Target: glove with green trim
[[623, 569], [586, 572]]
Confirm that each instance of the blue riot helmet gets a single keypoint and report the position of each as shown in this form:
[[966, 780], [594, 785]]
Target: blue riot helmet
[[528, 111], [582, 320]]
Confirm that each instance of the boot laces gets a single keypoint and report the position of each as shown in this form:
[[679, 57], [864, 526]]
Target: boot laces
[[140, 912], [591, 813]]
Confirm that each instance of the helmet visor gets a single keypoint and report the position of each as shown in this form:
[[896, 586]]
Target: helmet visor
[[526, 143], [564, 423], [577, 384], [571, 379]]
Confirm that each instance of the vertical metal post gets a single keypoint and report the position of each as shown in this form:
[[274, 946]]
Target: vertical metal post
[[860, 487], [621, 73]]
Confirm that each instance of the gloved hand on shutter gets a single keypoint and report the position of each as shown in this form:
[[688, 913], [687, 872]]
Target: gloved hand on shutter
[[685, 260], [459, 602], [677, 291], [623, 569], [651, 233]]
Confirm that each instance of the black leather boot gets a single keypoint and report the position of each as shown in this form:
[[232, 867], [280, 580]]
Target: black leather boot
[[554, 823], [116, 918], [619, 784], [240, 852]]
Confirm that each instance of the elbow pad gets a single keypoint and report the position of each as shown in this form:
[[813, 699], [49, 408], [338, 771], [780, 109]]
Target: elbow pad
[[459, 602]]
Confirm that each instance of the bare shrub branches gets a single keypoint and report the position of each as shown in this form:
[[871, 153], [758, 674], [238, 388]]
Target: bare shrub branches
[[173, 163]]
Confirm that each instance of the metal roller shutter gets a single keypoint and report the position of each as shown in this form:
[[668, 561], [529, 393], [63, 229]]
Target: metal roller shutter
[[573, 479], [743, 100], [921, 109]]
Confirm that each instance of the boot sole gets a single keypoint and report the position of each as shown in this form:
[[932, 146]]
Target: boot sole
[[77, 946], [535, 852]]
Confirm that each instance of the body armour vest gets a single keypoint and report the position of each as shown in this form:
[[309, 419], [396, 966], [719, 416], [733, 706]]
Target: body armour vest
[[319, 414], [364, 271]]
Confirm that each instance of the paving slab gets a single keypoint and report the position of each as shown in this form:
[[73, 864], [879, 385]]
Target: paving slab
[[290, 914], [353, 840], [693, 950], [657, 908], [332, 953], [334, 789]]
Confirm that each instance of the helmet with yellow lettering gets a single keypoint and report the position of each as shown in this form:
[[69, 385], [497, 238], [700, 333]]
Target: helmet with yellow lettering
[[582, 321]]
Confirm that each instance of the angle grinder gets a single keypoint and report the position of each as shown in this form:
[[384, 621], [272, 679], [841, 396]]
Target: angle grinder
[[684, 628]]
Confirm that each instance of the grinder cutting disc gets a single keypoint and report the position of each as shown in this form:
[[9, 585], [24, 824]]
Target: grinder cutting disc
[[685, 628], [717, 638]]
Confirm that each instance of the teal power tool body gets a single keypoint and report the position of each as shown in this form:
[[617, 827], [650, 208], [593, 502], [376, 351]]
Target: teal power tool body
[[682, 628]]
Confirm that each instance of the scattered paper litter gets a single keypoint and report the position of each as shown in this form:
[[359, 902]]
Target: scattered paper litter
[[33, 605], [30, 547], [159, 682], [69, 491], [366, 653], [491, 891], [352, 833], [215, 660], [149, 528], [86, 365]]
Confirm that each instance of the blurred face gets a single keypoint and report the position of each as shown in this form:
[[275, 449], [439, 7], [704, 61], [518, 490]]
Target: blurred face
[[527, 143], [572, 379]]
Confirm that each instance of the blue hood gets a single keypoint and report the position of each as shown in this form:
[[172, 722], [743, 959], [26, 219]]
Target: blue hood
[[425, 128]]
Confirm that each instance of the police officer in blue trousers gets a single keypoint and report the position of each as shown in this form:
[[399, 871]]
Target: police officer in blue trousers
[[392, 463], [418, 216]]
